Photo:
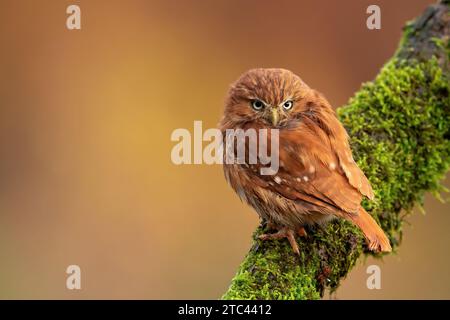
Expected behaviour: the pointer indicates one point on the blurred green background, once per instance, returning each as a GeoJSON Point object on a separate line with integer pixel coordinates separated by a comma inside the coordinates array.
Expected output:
{"type": "Point", "coordinates": [85, 123]}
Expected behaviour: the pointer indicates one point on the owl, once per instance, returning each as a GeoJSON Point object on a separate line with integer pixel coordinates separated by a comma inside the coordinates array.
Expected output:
{"type": "Point", "coordinates": [317, 178]}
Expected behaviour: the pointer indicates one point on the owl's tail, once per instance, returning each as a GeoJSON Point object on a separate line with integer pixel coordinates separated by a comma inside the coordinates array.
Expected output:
{"type": "Point", "coordinates": [377, 240]}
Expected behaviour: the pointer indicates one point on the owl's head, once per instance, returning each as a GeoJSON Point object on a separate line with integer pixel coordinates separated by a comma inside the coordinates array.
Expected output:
{"type": "Point", "coordinates": [265, 97]}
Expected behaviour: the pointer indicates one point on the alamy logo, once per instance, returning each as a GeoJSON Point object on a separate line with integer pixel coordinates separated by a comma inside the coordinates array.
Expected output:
{"type": "Point", "coordinates": [73, 281]}
{"type": "Point", "coordinates": [374, 20]}
{"type": "Point", "coordinates": [374, 280]}
{"type": "Point", "coordinates": [73, 21]}
{"type": "Point", "coordinates": [237, 146]}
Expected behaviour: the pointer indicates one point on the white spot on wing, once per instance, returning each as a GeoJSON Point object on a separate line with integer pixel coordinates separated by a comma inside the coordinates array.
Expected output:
{"type": "Point", "coordinates": [277, 179]}
{"type": "Point", "coordinates": [332, 166]}
{"type": "Point", "coordinates": [305, 178]}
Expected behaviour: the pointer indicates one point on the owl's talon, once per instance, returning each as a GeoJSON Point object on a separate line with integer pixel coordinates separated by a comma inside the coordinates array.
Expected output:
{"type": "Point", "coordinates": [302, 232]}
{"type": "Point", "coordinates": [280, 234]}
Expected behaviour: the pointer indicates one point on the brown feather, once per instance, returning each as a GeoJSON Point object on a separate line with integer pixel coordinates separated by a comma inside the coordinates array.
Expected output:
{"type": "Point", "coordinates": [375, 236]}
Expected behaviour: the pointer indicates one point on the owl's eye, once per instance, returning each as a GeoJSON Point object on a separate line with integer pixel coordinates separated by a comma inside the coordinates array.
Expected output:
{"type": "Point", "coordinates": [288, 105]}
{"type": "Point", "coordinates": [257, 104]}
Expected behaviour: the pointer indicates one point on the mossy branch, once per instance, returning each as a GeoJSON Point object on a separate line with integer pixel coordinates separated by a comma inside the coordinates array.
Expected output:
{"type": "Point", "coordinates": [399, 126]}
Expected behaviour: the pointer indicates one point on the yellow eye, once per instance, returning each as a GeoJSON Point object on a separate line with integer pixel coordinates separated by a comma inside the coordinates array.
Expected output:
{"type": "Point", "coordinates": [288, 105]}
{"type": "Point", "coordinates": [257, 105]}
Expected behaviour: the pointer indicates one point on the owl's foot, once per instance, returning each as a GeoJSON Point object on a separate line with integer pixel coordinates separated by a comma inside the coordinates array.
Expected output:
{"type": "Point", "coordinates": [280, 234]}
{"type": "Point", "coordinates": [302, 232]}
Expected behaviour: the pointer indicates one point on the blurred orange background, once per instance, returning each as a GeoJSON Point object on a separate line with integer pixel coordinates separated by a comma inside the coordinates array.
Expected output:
{"type": "Point", "coordinates": [85, 121]}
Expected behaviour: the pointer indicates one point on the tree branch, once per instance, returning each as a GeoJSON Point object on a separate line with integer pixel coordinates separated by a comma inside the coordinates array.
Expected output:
{"type": "Point", "coordinates": [399, 126]}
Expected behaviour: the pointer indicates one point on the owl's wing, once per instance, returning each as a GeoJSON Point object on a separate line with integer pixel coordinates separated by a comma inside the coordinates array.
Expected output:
{"type": "Point", "coordinates": [323, 116]}
{"type": "Point", "coordinates": [318, 169]}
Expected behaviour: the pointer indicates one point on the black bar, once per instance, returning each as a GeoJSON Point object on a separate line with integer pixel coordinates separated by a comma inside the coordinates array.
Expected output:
{"type": "Point", "coordinates": [212, 309]}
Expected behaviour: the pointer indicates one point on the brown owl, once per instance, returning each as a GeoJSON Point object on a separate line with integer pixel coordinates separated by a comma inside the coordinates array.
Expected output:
{"type": "Point", "coordinates": [317, 178]}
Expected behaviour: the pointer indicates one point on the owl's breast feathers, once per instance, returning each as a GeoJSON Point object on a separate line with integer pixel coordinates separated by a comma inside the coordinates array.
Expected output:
{"type": "Point", "coordinates": [317, 175]}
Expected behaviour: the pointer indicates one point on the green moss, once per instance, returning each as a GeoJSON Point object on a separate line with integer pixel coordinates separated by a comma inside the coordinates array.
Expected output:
{"type": "Point", "coordinates": [261, 276]}
{"type": "Point", "coordinates": [399, 126]}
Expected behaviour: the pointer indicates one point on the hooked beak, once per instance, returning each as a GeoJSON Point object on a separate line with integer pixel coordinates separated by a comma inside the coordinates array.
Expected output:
{"type": "Point", "coordinates": [274, 116]}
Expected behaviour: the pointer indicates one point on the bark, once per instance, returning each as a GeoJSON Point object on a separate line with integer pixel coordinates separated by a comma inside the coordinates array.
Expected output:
{"type": "Point", "coordinates": [399, 126]}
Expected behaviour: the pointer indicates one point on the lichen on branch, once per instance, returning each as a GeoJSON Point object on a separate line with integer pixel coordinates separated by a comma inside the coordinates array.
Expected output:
{"type": "Point", "coordinates": [399, 127]}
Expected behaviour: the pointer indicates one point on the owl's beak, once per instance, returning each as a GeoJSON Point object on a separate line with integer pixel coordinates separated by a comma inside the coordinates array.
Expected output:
{"type": "Point", "coordinates": [274, 116]}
